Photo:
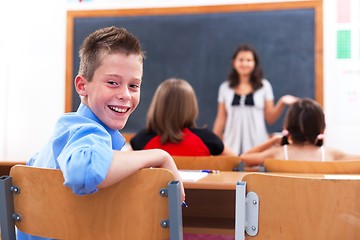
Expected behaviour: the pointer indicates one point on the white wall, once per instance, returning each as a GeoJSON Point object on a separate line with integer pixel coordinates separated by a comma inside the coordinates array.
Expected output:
{"type": "Point", "coordinates": [3, 87]}
{"type": "Point", "coordinates": [342, 81]}
{"type": "Point", "coordinates": [32, 68]}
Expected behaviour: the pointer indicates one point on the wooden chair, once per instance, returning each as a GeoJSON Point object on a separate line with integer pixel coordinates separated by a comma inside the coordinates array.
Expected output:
{"type": "Point", "coordinates": [221, 163]}
{"type": "Point", "coordinates": [327, 167]}
{"type": "Point", "coordinates": [145, 205]}
{"type": "Point", "coordinates": [5, 166]}
{"type": "Point", "coordinates": [128, 136]}
{"type": "Point", "coordinates": [299, 208]}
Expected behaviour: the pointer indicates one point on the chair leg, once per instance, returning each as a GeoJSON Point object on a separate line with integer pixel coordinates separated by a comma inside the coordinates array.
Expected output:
{"type": "Point", "coordinates": [175, 211]}
{"type": "Point", "coordinates": [6, 209]}
{"type": "Point", "coordinates": [240, 217]}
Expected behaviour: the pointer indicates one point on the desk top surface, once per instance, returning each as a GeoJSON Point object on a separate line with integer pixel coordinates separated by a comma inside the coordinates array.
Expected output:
{"type": "Point", "coordinates": [226, 180]}
{"type": "Point", "coordinates": [218, 181]}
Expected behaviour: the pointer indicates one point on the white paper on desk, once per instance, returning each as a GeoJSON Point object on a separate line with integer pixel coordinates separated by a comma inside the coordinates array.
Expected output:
{"type": "Point", "coordinates": [192, 176]}
{"type": "Point", "coordinates": [342, 176]}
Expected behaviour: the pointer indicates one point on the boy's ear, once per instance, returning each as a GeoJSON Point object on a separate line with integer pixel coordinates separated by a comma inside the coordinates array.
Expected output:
{"type": "Point", "coordinates": [80, 85]}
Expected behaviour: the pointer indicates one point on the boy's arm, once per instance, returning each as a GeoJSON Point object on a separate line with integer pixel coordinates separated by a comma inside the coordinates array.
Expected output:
{"type": "Point", "coordinates": [125, 163]}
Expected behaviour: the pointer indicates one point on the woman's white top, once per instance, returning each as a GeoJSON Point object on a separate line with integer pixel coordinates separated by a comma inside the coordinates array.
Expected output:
{"type": "Point", "coordinates": [245, 125]}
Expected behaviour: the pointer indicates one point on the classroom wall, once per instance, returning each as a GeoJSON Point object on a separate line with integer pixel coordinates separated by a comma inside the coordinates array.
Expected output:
{"type": "Point", "coordinates": [32, 68]}
{"type": "Point", "coordinates": [3, 98]}
{"type": "Point", "coordinates": [342, 75]}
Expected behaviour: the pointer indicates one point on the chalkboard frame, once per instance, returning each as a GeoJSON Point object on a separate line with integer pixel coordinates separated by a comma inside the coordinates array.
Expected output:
{"type": "Point", "coordinates": [315, 5]}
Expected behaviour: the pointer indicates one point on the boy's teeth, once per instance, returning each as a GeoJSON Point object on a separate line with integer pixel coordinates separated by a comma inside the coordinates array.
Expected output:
{"type": "Point", "coordinates": [116, 109]}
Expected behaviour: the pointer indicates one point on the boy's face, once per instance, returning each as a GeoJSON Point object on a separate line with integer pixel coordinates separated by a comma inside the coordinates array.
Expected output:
{"type": "Point", "coordinates": [114, 92]}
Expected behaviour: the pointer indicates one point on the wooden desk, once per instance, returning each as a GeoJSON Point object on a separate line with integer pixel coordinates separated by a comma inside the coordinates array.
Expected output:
{"type": "Point", "coordinates": [223, 180]}
{"type": "Point", "coordinates": [5, 166]}
{"type": "Point", "coordinates": [211, 202]}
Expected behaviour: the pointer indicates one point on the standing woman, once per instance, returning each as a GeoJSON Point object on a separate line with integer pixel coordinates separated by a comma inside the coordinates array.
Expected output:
{"type": "Point", "coordinates": [245, 102]}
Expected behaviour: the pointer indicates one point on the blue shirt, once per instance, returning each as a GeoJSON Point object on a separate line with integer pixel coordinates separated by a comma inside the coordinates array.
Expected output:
{"type": "Point", "coordinates": [82, 148]}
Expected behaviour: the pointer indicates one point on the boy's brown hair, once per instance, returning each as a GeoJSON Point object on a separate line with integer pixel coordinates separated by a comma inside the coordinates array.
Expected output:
{"type": "Point", "coordinates": [107, 41]}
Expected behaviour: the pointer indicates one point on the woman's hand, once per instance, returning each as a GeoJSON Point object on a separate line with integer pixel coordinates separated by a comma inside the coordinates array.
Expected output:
{"type": "Point", "coordinates": [289, 99]}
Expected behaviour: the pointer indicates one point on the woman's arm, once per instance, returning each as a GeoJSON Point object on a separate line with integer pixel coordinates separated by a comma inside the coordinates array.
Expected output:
{"type": "Point", "coordinates": [273, 112]}
{"type": "Point", "coordinates": [220, 120]}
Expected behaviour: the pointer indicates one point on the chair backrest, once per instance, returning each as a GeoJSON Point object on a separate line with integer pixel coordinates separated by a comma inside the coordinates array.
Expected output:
{"type": "Point", "coordinates": [327, 167]}
{"type": "Point", "coordinates": [5, 166]}
{"type": "Point", "coordinates": [130, 209]}
{"type": "Point", "coordinates": [221, 163]}
{"type": "Point", "coordinates": [302, 208]}
{"type": "Point", "coordinates": [128, 136]}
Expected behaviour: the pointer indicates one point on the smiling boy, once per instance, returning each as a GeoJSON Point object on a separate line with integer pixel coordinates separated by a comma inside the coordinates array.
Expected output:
{"type": "Point", "coordinates": [86, 144]}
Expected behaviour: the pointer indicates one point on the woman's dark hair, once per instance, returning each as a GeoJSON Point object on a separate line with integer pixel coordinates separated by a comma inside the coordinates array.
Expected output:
{"type": "Point", "coordinates": [257, 74]}
{"type": "Point", "coordinates": [305, 121]}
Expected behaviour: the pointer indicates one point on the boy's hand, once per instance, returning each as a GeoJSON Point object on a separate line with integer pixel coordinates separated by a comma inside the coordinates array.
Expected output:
{"type": "Point", "coordinates": [170, 165]}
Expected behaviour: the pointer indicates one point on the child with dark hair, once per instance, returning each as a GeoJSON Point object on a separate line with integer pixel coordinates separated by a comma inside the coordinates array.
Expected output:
{"type": "Point", "coordinates": [302, 138]}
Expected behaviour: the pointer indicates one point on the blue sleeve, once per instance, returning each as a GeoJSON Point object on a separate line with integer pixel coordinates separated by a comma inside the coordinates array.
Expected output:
{"type": "Point", "coordinates": [85, 158]}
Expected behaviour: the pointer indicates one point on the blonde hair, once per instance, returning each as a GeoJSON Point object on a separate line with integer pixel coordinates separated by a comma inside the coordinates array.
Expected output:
{"type": "Point", "coordinates": [173, 108]}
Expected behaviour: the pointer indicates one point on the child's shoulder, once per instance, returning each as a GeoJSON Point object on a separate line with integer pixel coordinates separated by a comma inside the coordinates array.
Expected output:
{"type": "Point", "coordinates": [75, 118]}
{"type": "Point", "coordinates": [75, 122]}
{"type": "Point", "coordinates": [336, 154]}
{"type": "Point", "coordinates": [277, 151]}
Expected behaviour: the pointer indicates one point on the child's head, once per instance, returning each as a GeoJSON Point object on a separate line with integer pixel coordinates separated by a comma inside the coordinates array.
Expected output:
{"type": "Point", "coordinates": [305, 121]}
{"type": "Point", "coordinates": [245, 61]}
{"type": "Point", "coordinates": [173, 108]}
{"type": "Point", "coordinates": [110, 73]}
